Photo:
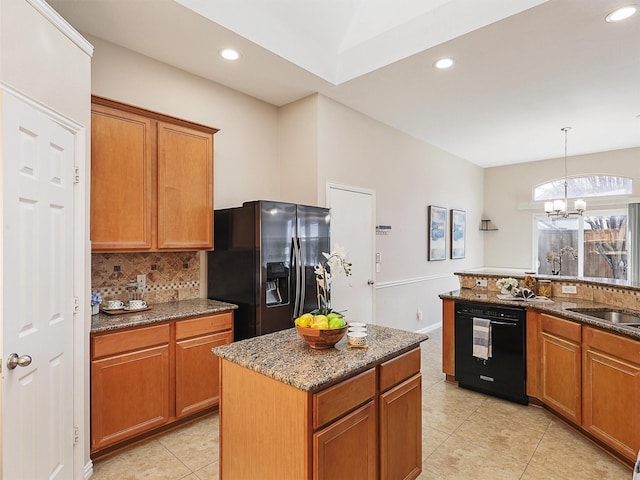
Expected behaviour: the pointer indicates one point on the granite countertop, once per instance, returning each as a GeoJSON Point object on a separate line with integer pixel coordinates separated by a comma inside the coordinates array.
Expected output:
{"type": "Point", "coordinates": [285, 357]}
{"type": "Point", "coordinates": [159, 312]}
{"type": "Point", "coordinates": [558, 307]}
{"type": "Point", "coordinates": [499, 273]}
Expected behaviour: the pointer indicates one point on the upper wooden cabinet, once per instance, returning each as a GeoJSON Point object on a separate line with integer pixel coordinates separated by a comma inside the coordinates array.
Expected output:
{"type": "Point", "coordinates": [151, 181]}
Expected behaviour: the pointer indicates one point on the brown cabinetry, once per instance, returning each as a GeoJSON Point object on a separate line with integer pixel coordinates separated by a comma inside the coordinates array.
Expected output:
{"type": "Point", "coordinates": [611, 390]}
{"type": "Point", "coordinates": [147, 378]}
{"type": "Point", "coordinates": [366, 427]}
{"type": "Point", "coordinates": [129, 384]}
{"type": "Point", "coordinates": [151, 181]}
{"type": "Point", "coordinates": [560, 368]}
{"type": "Point", "coordinates": [197, 369]}
{"type": "Point", "coordinates": [401, 447]}
{"type": "Point", "coordinates": [347, 447]}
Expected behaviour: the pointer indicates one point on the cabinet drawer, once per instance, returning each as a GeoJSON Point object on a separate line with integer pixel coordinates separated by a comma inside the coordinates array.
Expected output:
{"type": "Point", "coordinates": [203, 325]}
{"type": "Point", "coordinates": [343, 397]}
{"type": "Point", "coordinates": [622, 347]}
{"type": "Point", "coordinates": [561, 328]}
{"type": "Point", "coordinates": [120, 342]}
{"type": "Point", "coordinates": [397, 369]}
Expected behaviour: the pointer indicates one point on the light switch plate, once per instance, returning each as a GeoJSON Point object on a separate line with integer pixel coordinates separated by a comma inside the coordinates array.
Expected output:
{"type": "Point", "coordinates": [569, 289]}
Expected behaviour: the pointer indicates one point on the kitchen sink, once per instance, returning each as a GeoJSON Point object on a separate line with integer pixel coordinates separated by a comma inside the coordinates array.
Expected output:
{"type": "Point", "coordinates": [610, 315]}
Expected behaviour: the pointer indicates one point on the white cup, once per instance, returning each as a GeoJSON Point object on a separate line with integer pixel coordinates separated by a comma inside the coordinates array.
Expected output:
{"type": "Point", "coordinates": [137, 304]}
{"type": "Point", "coordinates": [114, 304]}
{"type": "Point", "coordinates": [357, 338]}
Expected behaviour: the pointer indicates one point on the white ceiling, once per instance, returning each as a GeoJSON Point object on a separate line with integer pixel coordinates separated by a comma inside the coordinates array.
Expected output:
{"type": "Point", "coordinates": [524, 68]}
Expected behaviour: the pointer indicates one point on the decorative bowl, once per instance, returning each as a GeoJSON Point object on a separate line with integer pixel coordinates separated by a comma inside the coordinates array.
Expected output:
{"type": "Point", "coordinates": [321, 339]}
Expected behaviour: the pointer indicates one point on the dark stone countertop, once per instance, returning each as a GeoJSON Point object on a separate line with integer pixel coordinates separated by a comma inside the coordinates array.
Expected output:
{"type": "Point", "coordinates": [285, 357]}
{"type": "Point", "coordinates": [159, 312]}
{"type": "Point", "coordinates": [559, 307]}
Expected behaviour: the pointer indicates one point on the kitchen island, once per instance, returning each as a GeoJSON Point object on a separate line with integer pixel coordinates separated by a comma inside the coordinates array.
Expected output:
{"type": "Point", "coordinates": [290, 412]}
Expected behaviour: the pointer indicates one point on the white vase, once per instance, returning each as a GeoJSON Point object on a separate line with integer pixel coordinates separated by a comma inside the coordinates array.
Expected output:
{"type": "Point", "coordinates": [95, 309]}
{"type": "Point", "coordinates": [504, 291]}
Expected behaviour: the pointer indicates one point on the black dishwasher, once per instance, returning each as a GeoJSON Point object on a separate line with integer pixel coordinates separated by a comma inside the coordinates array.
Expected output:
{"type": "Point", "coordinates": [504, 373]}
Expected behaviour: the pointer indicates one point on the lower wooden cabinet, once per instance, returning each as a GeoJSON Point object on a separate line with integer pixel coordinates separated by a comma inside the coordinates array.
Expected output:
{"type": "Point", "coordinates": [401, 431]}
{"type": "Point", "coordinates": [611, 394]}
{"type": "Point", "coordinates": [145, 378]}
{"type": "Point", "coordinates": [560, 368]}
{"type": "Point", "coordinates": [197, 369]}
{"type": "Point", "coordinates": [129, 384]}
{"type": "Point", "coordinates": [347, 447]}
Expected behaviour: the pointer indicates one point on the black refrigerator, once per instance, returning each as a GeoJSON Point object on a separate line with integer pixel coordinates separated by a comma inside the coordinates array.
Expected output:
{"type": "Point", "coordinates": [263, 261]}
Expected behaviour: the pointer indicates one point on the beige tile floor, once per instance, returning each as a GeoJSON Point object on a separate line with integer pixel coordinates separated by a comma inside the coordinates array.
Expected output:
{"type": "Point", "coordinates": [465, 435]}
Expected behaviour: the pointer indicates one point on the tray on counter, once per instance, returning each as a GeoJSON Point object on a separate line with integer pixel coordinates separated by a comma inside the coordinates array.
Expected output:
{"type": "Point", "coordinates": [122, 311]}
{"type": "Point", "coordinates": [537, 299]}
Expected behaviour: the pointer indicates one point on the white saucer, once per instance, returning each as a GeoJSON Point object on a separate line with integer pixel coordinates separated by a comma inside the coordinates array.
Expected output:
{"type": "Point", "coordinates": [116, 308]}
{"type": "Point", "coordinates": [133, 309]}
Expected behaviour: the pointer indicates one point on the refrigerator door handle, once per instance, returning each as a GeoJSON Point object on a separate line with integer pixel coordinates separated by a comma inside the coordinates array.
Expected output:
{"type": "Point", "coordinates": [303, 281]}
{"type": "Point", "coordinates": [296, 267]}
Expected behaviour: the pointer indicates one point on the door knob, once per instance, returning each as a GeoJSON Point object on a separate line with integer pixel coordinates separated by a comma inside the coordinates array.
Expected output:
{"type": "Point", "coordinates": [16, 361]}
{"type": "Point", "coordinates": [369, 282]}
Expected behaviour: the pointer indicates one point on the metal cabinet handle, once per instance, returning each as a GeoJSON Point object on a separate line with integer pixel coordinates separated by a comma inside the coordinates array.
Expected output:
{"type": "Point", "coordinates": [18, 361]}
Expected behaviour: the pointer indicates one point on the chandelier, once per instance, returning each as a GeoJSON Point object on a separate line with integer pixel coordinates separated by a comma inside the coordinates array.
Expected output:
{"type": "Point", "coordinates": [558, 208]}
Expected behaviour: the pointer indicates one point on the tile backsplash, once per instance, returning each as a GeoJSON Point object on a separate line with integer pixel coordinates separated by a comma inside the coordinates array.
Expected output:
{"type": "Point", "coordinates": [170, 275]}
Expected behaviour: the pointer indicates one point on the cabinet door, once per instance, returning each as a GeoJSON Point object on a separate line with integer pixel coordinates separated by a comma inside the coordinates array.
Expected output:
{"type": "Point", "coordinates": [129, 395]}
{"type": "Point", "coordinates": [401, 431]}
{"type": "Point", "coordinates": [121, 180]}
{"type": "Point", "coordinates": [611, 394]}
{"type": "Point", "coordinates": [197, 372]}
{"type": "Point", "coordinates": [185, 188]}
{"type": "Point", "coordinates": [561, 367]}
{"type": "Point", "coordinates": [347, 447]}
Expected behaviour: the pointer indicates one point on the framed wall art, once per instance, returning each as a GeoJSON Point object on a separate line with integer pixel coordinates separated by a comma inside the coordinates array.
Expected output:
{"type": "Point", "coordinates": [437, 217]}
{"type": "Point", "coordinates": [458, 233]}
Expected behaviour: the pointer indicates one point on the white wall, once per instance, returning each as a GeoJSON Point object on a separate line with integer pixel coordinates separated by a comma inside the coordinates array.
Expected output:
{"type": "Point", "coordinates": [246, 155]}
{"type": "Point", "coordinates": [407, 175]}
{"type": "Point", "coordinates": [509, 193]}
{"type": "Point", "coordinates": [298, 127]}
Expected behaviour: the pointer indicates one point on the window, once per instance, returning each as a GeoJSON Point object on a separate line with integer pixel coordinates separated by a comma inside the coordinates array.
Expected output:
{"type": "Point", "coordinates": [582, 187]}
{"type": "Point", "coordinates": [594, 245]}
{"type": "Point", "coordinates": [591, 246]}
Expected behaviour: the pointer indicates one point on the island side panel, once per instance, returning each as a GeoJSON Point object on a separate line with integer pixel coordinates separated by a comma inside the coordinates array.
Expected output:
{"type": "Point", "coordinates": [264, 427]}
{"type": "Point", "coordinates": [448, 339]}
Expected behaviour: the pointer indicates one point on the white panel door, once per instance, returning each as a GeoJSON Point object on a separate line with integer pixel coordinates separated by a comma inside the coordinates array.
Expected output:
{"type": "Point", "coordinates": [352, 227]}
{"type": "Point", "coordinates": [37, 397]}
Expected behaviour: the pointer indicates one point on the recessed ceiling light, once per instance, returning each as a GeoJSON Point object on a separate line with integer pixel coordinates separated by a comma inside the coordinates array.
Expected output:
{"type": "Point", "coordinates": [621, 13]}
{"type": "Point", "coordinates": [229, 54]}
{"type": "Point", "coordinates": [444, 63]}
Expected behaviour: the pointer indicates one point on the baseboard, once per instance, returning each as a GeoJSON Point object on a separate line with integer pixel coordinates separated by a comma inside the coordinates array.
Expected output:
{"type": "Point", "coordinates": [430, 328]}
